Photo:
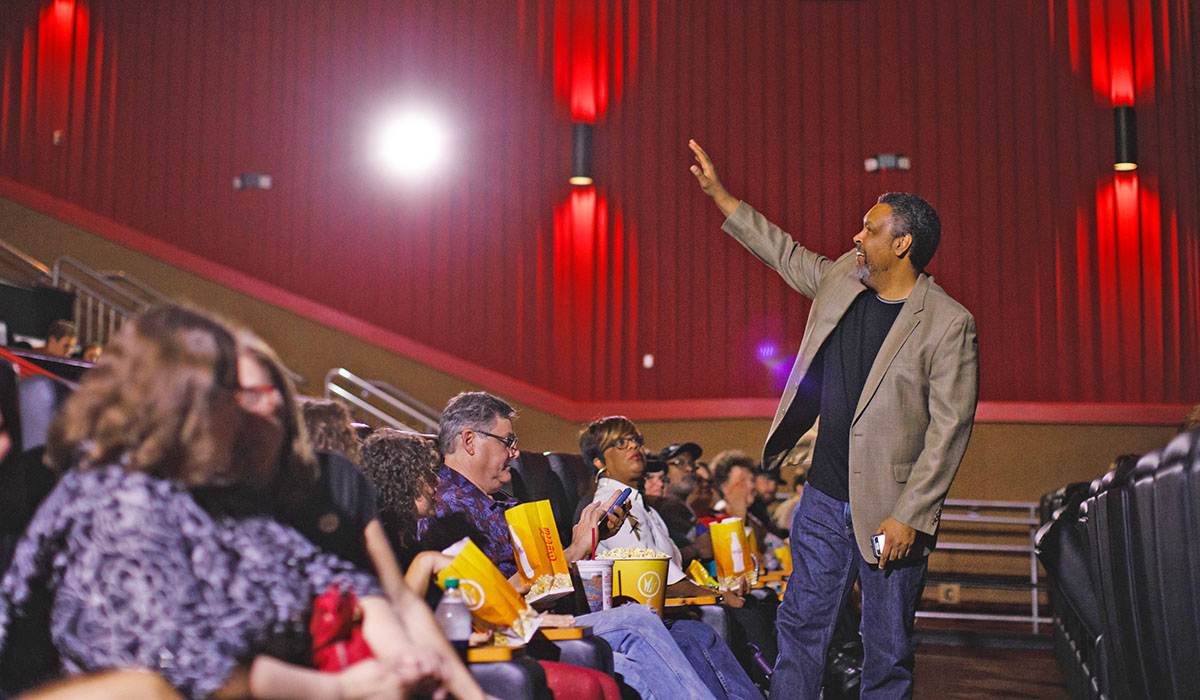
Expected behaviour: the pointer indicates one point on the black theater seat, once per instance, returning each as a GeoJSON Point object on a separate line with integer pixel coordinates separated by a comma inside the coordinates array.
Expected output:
{"type": "Point", "coordinates": [1192, 524]}
{"type": "Point", "coordinates": [1173, 630]}
{"type": "Point", "coordinates": [539, 482]}
{"type": "Point", "coordinates": [1107, 535]}
{"type": "Point", "coordinates": [1062, 547]}
{"type": "Point", "coordinates": [589, 652]}
{"type": "Point", "coordinates": [519, 678]}
{"type": "Point", "coordinates": [577, 476]}
{"type": "Point", "coordinates": [1146, 606]}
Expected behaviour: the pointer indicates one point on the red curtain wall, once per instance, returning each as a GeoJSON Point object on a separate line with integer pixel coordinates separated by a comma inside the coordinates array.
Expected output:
{"type": "Point", "coordinates": [1086, 287]}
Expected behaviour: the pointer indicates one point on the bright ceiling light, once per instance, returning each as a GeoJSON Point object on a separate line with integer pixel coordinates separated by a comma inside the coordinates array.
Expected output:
{"type": "Point", "coordinates": [412, 144]}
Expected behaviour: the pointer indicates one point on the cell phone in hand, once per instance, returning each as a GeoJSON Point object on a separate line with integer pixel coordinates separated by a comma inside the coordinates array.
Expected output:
{"type": "Point", "coordinates": [617, 504]}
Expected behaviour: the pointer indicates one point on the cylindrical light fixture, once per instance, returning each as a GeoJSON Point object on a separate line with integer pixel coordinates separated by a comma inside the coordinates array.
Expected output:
{"type": "Point", "coordinates": [1125, 128]}
{"type": "Point", "coordinates": [581, 154]}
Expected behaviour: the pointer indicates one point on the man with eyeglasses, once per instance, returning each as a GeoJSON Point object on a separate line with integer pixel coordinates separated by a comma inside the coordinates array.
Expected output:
{"type": "Point", "coordinates": [477, 463]}
{"type": "Point", "coordinates": [478, 442]}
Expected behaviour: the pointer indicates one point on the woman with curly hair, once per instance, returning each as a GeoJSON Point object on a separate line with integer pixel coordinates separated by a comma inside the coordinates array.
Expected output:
{"type": "Point", "coordinates": [159, 548]}
{"type": "Point", "coordinates": [403, 467]}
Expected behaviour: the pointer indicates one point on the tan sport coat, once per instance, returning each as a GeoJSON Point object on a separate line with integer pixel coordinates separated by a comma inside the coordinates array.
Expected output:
{"type": "Point", "coordinates": [914, 417]}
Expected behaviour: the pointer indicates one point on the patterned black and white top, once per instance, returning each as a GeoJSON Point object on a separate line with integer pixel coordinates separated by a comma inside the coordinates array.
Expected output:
{"type": "Point", "coordinates": [140, 576]}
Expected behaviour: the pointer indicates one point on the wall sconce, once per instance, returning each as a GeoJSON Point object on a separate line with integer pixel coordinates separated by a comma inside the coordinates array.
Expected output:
{"type": "Point", "coordinates": [1125, 129]}
{"type": "Point", "coordinates": [252, 181]}
{"type": "Point", "coordinates": [887, 161]}
{"type": "Point", "coordinates": [581, 154]}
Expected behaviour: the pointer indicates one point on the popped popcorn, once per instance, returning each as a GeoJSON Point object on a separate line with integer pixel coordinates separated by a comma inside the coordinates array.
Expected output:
{"type": "Point", "coordinates": [549, 582]}
{"type": "Point", "coordinates": [631, 553]}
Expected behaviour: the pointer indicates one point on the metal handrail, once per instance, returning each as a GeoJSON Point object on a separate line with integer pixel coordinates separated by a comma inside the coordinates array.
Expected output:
{"type": "Point", "coordinates": [1030, 521]}
{"type": "Point", "coordinates": [365, 388]}
{"type": "Point", "coordinates": [424, 409]}
{"type": "Point", "coordinates": [128, 305]}
{"type": "Point", "coordinates": [151, 295]}
{"type": "Point", "coordinates": [25, 259]}
{"type": "Point", "coordinates": [333, 390]}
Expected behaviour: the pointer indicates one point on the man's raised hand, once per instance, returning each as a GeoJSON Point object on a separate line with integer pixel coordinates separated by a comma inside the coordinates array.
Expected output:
{"type": "Point", "coordinates": [706, 175]}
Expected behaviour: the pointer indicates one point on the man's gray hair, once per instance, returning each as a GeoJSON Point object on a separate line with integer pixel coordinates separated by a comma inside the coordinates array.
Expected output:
{"type": "Point", "coordinates": [476, 410]}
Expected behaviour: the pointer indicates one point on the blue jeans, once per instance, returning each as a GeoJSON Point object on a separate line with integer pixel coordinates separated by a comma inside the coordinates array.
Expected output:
{"type": "Point", "coordinates": [645, 654]}
{"type": "Point", "coordinates": [713, 661]}
{"type": "Point", "coordinates": [825, 564]}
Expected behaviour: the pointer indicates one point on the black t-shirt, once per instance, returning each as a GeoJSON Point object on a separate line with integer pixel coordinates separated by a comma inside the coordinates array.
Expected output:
{"type": "Point", "coordinates": [337, 510]}
{"type": "Point", "coordinates": [842, 364]}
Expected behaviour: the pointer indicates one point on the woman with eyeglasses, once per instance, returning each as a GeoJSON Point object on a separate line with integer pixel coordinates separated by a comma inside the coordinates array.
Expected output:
{"type": "Point", "coordinates": [614, 447]}
{"type": "Point", "coordinates": [159, 549]}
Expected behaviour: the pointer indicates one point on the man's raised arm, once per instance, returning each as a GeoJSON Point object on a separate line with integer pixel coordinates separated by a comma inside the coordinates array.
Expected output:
{"type": "Point", "coordinates": [706, 175]}
{"type": "Point", "coordinates": [799, 267]}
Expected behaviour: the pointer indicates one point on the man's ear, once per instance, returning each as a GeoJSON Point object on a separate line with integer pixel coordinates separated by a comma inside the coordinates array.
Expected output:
{"type": "Point", "coordinates": [468, 440]}
{"type": "Point", "coordinates": [902, 245]}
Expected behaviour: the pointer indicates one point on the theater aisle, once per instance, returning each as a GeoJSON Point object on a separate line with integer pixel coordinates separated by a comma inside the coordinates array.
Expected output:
{"type": "Point", "coordinates": [973, 673]}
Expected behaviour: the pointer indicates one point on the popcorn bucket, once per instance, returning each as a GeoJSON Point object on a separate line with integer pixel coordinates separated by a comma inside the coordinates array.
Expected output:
{"type": "Point", "coordinates": [492, 600]}
{"type": "Point", "coordinates": [597, 577]}
{"type": "Point", "coordinates": [538, 551]}
{"type": "Point", "coordinates": [732, 551]}
{"type": "Point", "coordinates": [643, 579]}
{"type": "Point", "coordinates": [785, 558]}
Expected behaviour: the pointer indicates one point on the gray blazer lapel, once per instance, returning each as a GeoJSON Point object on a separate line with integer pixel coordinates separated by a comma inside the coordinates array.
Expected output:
{"type": "Point", "coordinates": [906, 322]}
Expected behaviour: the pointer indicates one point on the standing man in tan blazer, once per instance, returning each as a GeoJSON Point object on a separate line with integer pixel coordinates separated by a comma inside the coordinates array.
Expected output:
{"type": "Point", "coordinates": [888, 362]}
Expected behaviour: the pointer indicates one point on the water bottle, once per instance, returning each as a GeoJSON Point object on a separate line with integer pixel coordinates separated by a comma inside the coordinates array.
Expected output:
{"type": "Point", "coordinates": [453, 617]}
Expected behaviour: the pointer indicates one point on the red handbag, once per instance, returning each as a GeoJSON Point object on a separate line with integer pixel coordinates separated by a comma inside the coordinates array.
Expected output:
{"type": "Point", "coordinates": [336, 629]}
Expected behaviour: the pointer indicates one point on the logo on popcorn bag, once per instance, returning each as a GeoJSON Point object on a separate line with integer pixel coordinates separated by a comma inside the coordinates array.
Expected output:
{"type": "Point", "coordinates": [472, 594]}
{"type": "Point", "coordinates": [648, 584]}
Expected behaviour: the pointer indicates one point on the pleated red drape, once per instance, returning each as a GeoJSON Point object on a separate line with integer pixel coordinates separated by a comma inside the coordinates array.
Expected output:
{"type": "Point", "coordinates": [1086, 286]}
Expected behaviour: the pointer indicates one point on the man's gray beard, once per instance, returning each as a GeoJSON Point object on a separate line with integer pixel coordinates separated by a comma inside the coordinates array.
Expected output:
{"type": "Point", "coordinates": [682, 489]}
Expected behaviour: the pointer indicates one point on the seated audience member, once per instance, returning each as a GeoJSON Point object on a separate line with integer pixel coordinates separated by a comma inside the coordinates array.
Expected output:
{"type": "Point", "coordinates": [681, 468]}
{"type": "Point", "coordinates": [613, 446]}
{"type": "Point", "coordinates": [403, 466]}
{"type": "Point", "coordinates": [703, 499]}
{"type": "Point", "coordinates": [766, 491]}
{"type": "Point", "coordinates": [60, 339]}
{"type": "Point", "coordinates": [654, 478]}
{"type": "Point", "coordinates": [330, 428]}
{"type": "Point", "coordinates": [338, 511]}
{"type": "Point", "coordinates": [158, 548]}
{"type": "Point", "coordinates": [783, 514]}
{"type": "Point", "coordinates": [681, 521]}
{"type": "Point", "coordinates": [92, 353]}
{"type": "Point", "coordinates": [734, 475]}
{"type": "Point", "coordinates": [478, 442]}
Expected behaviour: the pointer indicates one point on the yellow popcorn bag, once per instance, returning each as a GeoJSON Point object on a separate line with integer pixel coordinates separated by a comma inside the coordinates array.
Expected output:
{"type": "Point", "coordinates": [492, 600]}
{"type": "Point", "coordinates": [785, 558]}
{"type": "Point", "coordinates": [538, 551]}
{"type": "Point", "coordinates": [732, 551]}
{"type": "Point", "coordinates": [700, 575]}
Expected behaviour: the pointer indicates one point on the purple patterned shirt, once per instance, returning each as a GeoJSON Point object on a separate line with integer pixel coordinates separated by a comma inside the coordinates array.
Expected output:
{"type": "Point", "coordinates": [462, 509]}
{"type": "Point", "coordinates": [138, 575]}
